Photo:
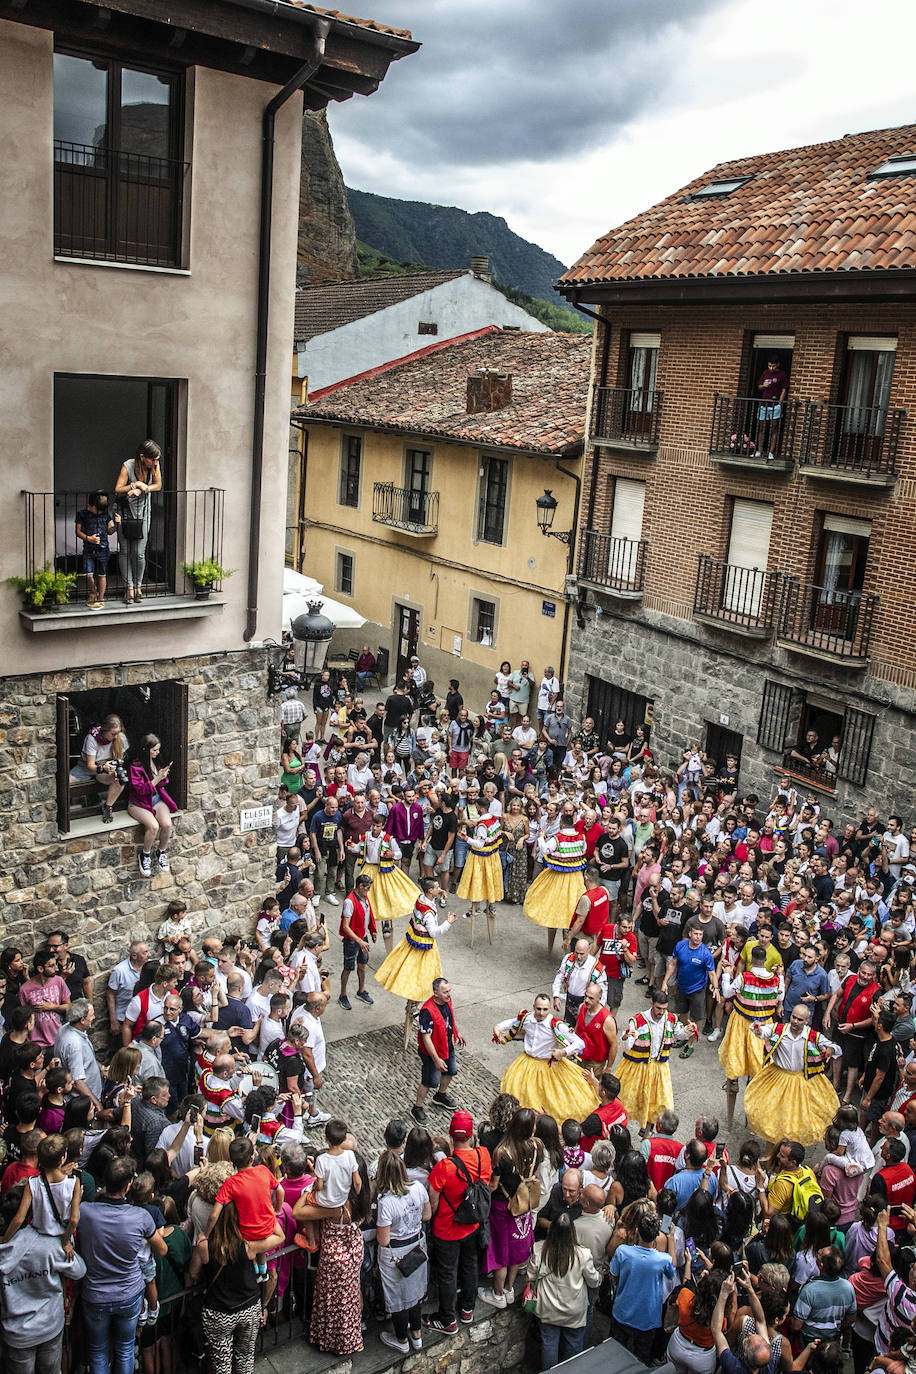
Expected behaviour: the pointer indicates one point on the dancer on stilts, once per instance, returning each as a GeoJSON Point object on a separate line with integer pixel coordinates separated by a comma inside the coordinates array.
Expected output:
{"type": "Point", "coordinates": [393, 893]}
{"type": "Point", "coordinates": [552, 898]}
{"type": "Point", "coordinates": [414, 962]}
{"type": "Point", "coordinates": [482, 876]}
{"type": "Point", "coordinates": [757, 992]}
{"type": "Point", "coordinates": [792, 1096]}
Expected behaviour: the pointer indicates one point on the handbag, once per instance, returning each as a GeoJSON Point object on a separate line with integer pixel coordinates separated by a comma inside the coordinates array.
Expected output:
{"type": "Point", "coordinates": [411, 1262]}
{"type": "Point", "coordinates": [530, 1294]}
{"type": "Point", "coordinates": [131, 529]}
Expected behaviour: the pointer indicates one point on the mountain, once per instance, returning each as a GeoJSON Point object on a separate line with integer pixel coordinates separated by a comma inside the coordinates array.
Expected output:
{"type": "Point", "coordinates": [443, 236]}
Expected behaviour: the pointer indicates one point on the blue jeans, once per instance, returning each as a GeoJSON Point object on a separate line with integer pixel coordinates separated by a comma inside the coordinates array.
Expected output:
{"type": "Point", "coordinates": [559, 1343]}
{"type": "Point", "coordinates": [117, 1321]}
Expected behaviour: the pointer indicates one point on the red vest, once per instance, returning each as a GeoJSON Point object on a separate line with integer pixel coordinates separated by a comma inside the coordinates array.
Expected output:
{"type": "Point", "coordinates": [662, 1161]}
{"type": "Point", "coordinates": [598, 902]}
{"type": "Point", "coordinates": [592, 1032]}
{"type": "Point", "coordinates": [609, 1114]}
{"type": "Point", "coordinates": [440, 1030]}
{"type": "Point", "coordinates": [900, 1182]}
{"type": "Point", "coordinates": [358, 919]}
{"type": "Point", "coordinates": [855, 1001]}
{"type": "Point", "coordinates": [143, 1013]}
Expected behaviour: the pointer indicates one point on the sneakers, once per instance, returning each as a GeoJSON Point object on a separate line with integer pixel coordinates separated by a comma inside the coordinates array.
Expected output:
{"type": "Point", "coordinates": [152, 1316]}
{"type": "Point", "coordinates": [364, 997]}
{"type": "Point", "coordinates": [416, 1342]}
{"type": "Point", "coordinates": [162, 859]}
{"type": "Point", "coordinates": [443, 902]}
{"type": "Point", "coordinates": [435, 1323]}
{"type": "Point", "coordinates": [687, 1051]}
{"type": "Point", "coordinates": [107, 814]}
{"type": "Point", "coordinates": [146, 863]}
{"type": "Point", "coordinates": [443, 1100]}
{"type": "Point", "coordinates": [335, 901]}
{"type": "Point", "coordinates": [318, 1118]}
{"type": "Point", "coordinates": [771, 457]}
{"type": "Point", "coordinates": [393, 1343]}
{"type": "Point", "coordinates": [509, 1295]}
{"type": "Point", "coordinates": [344, 1002]}
{"type": "Point", "coordinates": [419, 1115]}
{"type": "Point", "coordinates": [494, 1299]}
{"type": "Point", "coordinates": [716, 1035]}
{"type": "Point", "coordinates": [466, 1315]}
{"type": "Point", "coordinates": [707, 1026]}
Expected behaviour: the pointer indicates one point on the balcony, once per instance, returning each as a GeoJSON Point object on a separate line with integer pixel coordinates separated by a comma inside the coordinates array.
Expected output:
{"type": "Point", "coordinates": [627, 418]}
{"type": "Point", "coordinates": [852, 443]}
{"type": "Point", "coordinates": [740, 438]}
{"type": "Point", "coordinates": [412, 512]}
{"type": "Point", "coordinates": [744, 600]}
{"type": "Point", "coordinates": [185, 527]}
{"type": "Point", "coordinates": [614, 566]}
{"type": "Point", "coordinates": [823, 623]}
{"type": "Point", "coordinates": [112, 206]}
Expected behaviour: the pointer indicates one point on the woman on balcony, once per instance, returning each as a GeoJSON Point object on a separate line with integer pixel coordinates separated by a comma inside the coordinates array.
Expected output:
{"type": "Point", "coordinates": [138, 479]}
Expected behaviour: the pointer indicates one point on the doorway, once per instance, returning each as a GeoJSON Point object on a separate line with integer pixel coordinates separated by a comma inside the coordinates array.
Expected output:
{"type": "Point", "coordinates": [408, 637]}
{"type": "Point", "coordinates": [720, 742]}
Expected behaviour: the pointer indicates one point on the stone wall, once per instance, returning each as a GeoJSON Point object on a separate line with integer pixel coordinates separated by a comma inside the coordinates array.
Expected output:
{"type": "Point", "coordinates": [694, 674]}
{"type": "Point", "coordinates": [89, 883]}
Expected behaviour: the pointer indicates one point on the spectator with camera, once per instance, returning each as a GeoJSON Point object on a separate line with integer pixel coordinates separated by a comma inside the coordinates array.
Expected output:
{"type": "Point", "coordinates": [102, 761]}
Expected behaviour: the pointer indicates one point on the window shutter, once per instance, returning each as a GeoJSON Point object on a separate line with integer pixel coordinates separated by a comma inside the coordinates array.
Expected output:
{"type": "Point", "coordinates": [629, 504]}
{"type": "Point", "coordinates": [855, 751]}
{"type": "Point", "coordinates": [63, 764]}
{"type": "Point", "coordinates": [774, 716]}
{"type": "Point", "coordinates": [175, 738]}
{"type": "Point", "coordinates": [749, 545]}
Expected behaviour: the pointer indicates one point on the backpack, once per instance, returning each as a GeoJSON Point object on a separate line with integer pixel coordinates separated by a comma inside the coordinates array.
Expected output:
{"type": "Point", "coordinates": [805, 1190]}
{"type": "Point", "coordinates": [474, 1207]}
{"type": "Point", "coordinates": [527, 1196]}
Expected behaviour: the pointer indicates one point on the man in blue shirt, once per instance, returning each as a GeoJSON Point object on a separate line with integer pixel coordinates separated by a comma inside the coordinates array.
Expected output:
{"type": "Point", "coordinates": [806, 982]}
{"type": "Point", "coordinates": [698, 1165]}
{"type": "Point", "coordinates": [694, 965]}
{"type": "Point", "coordinates": [640, 1272]}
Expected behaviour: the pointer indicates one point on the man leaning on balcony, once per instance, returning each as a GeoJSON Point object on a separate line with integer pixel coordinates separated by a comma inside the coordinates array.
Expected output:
{"type": "Point", "coordinates": [772, 385]}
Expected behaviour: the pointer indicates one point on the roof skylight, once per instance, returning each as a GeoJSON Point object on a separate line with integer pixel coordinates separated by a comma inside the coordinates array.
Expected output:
{"type": "Point", "coordinates": [896, 167]}
{"type": "Point", "coordinates": [722, 186]}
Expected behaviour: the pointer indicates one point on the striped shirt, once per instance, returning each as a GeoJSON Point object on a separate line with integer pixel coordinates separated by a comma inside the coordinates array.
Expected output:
{"type": "Point", "coordinates": [899, 1309]}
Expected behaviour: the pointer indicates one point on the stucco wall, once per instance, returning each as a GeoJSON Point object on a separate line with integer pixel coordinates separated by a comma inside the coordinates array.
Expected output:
{"type": "Point", "coordinates": [119, 320]}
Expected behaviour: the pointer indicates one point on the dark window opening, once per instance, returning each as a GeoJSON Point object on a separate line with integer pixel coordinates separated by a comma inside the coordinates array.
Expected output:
{"type": "Point", "coordinates": [158, 708]}
{"type": "Point", "coordinates": [345, 573]}
{"type": "Point", "coordinates": [483, 621]}
{"type": "Point", "coordinates": [350, 465]}
{"type": "Point", "coordinates": [827, 743]}
{"type": "Point", "coordinates": [723, 186]}
{"type": "Point", "coordinates": [608, 703]}
{"type": "Point", "coordinates": [419, 470]}
{"type": "Point", "coordinates": [720, 742]}
{"type": "Point", "coordinates": [494, 484]}
{"type": "Point", "coordinates": [427, 327]}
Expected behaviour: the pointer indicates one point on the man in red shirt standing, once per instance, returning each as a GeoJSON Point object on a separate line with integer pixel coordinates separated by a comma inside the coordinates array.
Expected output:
{"type": "Point", "coordinates": [455, 1242]}
{"type": "Point", "coordinates": [660, 1150]}
{"type": "Point", "coordinates": [895, 1182]}
{"type": "Point", "coordinates": [438, 1035]}
{"type": "Point", "coordinates": [591, 830]}
{"type": "Point", "coordinates": [850, 1010]}
{"type": "Point", "coordinates": [356, 922]}
{"type": "Point", "coordinates": [617, 955]}
{"type": "Point", "coordinates": [595, 1025]}
{"type": "Point", "coordinates": [593, 910]}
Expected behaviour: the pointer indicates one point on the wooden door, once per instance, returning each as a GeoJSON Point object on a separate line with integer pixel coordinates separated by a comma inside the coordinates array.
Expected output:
{"type": "Point", "coordinates": [408, 637]}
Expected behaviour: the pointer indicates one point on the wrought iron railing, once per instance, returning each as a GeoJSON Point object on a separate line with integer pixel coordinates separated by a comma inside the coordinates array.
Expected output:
{"type": "Point", "coordinates": [184, 527]}
{"type": "Point", "coordinates": [827, 620]}
{"type": "Point", "coordinates": [405, 509]}
{"type": "Point", "coordinates": [618, 564]}
{"type": "Point", "coordinates": [629, 414]}
{"type": "Point", "coordinates": [852, 440]}
{"type": "Point", "coordinates": [746, 598]}
{"type": "Point", "coordinates": [747, 428]}
{"type": "Point", "coordinates": [117, 206]}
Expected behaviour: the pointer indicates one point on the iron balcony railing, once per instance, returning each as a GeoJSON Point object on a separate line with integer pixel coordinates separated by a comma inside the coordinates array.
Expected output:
{"type": "Point", "coordinates": [852, 440]}
{"type": "Point", "coordinates": [817, 773]}
{"type": "Point", "coordinates": [747, 598]}
{"type": "Point", "coordinates": [630, 415]}
{"type": "Point", "coordinates": [744, 427]}
{"type": "Point", "coordinates": [617, 564]}
{"type": "Point", "coordinates": [184, 527]}
{"type": "Point", "coordinates": [117, 206]}
{"type": "Point", "coordinates": [405, 509]}
{"type": "Point", "coordinates": [826, 620]}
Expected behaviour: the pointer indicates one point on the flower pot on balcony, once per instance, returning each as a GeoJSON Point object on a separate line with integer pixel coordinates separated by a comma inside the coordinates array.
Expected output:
{"type": "Point", "coordinates": [203, 593]}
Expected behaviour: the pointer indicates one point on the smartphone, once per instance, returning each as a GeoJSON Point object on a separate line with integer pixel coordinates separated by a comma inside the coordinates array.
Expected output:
{"type": "Point", "coordinates": [737, 1266]}
{"type": "Point", "coordinates": [665, 1226]}
{"type": "Point", "coordinates": [255, 1125]}
{"type": "Point", "coordinates": [194, 1115]}
{"type": "Point", "coordinates": [720, 1151]}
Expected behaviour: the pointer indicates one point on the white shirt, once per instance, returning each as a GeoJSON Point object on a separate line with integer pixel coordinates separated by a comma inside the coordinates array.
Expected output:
{"type": "Point", "coordinates": [183, 1162]}
{"type": "Point", "coordinates": [306, 963]}
{"type": "Point", "coordinates": [287, 823]}
{"type": "Point", "coordinates": [258, 1004]}
{"type": "Point", "coordinates": [525, 739]}
{"type": "Point", "coordinates": [550, 686]}
{"type": "Point", "coordinates": [418, 674]}
{"type": "Point", "coordinates": [155, 1007]}
{"type": "Point", "coordinates": [316, 1040]}
{"type": "Point", "coordinates": [790, 1052]}
{"type": "Point", "coordinates": [540, 1040]}
{"type": "Point", "coordinates": [359, 778]}
{"type": "Point", "coordinates": [578, 980]}
{"type": "Point", "coordinates": [221, 979]}
{"type": "Point", "coordinates": [269, 1032]}
{"type": "Point", "coordinates": [898, 851]}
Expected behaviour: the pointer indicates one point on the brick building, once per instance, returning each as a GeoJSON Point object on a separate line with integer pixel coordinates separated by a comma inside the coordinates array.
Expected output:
{"type": "Point", "coordinates": [747, 570]}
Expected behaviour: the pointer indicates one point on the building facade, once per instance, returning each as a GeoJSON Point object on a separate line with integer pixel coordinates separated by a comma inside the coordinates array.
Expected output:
{"type": "Point", "coordinates": [746, 570]}
{"type": "Point", "coordinates": [419, 494]}
{"type": "Point", "coordinates": [133, 228]}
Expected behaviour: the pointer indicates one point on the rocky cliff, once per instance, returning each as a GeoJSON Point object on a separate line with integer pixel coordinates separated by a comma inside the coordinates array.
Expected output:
{"type": "Point", "coordinates": [327, 240]}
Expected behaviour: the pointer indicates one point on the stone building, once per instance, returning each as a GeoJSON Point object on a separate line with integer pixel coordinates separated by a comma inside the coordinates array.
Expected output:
{"type": "Point", "coordinates": [136, 151]}
{"type": "Point", "coordinates": [746, 571]}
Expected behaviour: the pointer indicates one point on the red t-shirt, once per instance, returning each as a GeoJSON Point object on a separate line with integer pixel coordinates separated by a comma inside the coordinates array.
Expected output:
{"type": "Point", "coordinates": [251, 1190]}
{"type": "Point", "coordinates": [606, 941]}
{"type": "Point", "coordinates": [610, 1114]}
{"type": "Point", "coordinates": [444, 1179]}
{"type": "Point", "coordinates": [17, 1172]}
{"type": "Point", "coordinates": [598, 903]}
{"type": "Point", "coordinates": [591, 1031]}
{"type": "Point", "coordinates": [591, 837]}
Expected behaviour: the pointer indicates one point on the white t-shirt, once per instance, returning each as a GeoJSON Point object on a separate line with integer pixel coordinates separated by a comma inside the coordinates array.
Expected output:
{"type": "Point", "coordinates": [269, 1032]}
{"type": "Point", "coordinates": [550, 686]}
{"type": "Point", "coordinates": [337, 1172]}
{"type": "Point", "coordinates": [258, 1003]}
{"type": "Point", "coordinates": [898, 851]}
{"type": "Point", "coordinates": [154, 1011]}
{"type": "Point", "coordinates": [287, 823]}
{"type": "Point", "coordinates": [221, 980]}
{"type": "Point", "coordinates": [316, 1041]}
{"type": "Point", "coordinates": [525, 739]}
{"type": "Point", "coordinates": [100, 749]}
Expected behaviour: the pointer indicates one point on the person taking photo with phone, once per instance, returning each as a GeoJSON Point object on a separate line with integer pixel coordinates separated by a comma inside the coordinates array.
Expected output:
{"type": "Point", "coordinates": [149, 803]}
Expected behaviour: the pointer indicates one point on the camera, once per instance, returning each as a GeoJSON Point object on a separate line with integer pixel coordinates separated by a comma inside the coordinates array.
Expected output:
{"type": "Point", "coordinates": [120, 772]}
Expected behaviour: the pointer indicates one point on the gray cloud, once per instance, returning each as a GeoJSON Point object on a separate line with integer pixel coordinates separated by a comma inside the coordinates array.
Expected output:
{"type": "Point", "coordinates": [515, 80]}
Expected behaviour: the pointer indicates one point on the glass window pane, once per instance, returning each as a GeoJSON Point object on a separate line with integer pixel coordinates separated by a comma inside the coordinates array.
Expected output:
{"type": "Point", "coordinates": [145, 107]}
{"type": "Point", "coordinates": [80, 102]}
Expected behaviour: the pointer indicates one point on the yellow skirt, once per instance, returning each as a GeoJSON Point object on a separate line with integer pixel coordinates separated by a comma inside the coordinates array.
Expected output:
{"type": "Point", "coordinates": [482, 878]}
{"type": "Point", "coordinates": [409, 972]}
{"type": "Point", "coordinates": [645, 1089]}
{"type": "Point", "coordinates": [560, 1089]}
{"type": "Point", "coordinates": [741, 1052]}
{"type": "Point", "coordinates": [551, 899]}
{"type": "Point", "coordinates": [392, 894]}
{"type": "Point", "coordinates": [781, 1104]}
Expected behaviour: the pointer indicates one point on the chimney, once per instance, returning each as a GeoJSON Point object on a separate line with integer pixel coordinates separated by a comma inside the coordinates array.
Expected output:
{"type": "Point", "coordinates": [480, 266]}
{"type": "Point", "coordinates": [489, 391]}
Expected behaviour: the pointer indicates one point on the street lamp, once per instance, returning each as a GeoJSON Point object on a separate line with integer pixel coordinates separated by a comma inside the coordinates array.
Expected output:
{"type": "Point", "coordinates": [313, 632]}
{"type": "Point", "coordinates": [547, 509]}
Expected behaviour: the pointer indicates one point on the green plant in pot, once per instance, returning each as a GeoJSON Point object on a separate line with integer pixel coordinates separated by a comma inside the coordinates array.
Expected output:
{"type": "Point", "coordinates": [204, 574]}
{"type": "Point", "coordinates": [46, 587]}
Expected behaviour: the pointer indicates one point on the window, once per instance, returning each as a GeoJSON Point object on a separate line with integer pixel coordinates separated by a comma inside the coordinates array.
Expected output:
{"type": "Point", "coordinates": [483, 621]}
{"type": "Point", "coordinates": [844, 734]}
{"type": "Point", "coordinates": [840, 575]}
{"type": "Point", "coordinates": [748, 554]}
{"type": "Point", "coordinates": [159, 708]}
{"type": "Point", "coordinates": [118, 175]}
{"type": "Point", "coordinates": [608, 703]}
{"type": "Point", "coordinates": [626, 528]}
{"type": "Point", "coordinates": [642, 368]}
{"type": "Point", "coordinates": [494, 483]}
{"type": "Point", "coordinates": [721, 187]}
{"type": "Point", "coordinates": [869, 372]}
{"type": "Point", "coordinates": [427, 327]}
{"type": "Point", "coordinates": [895, 167]}
{"type": "Point", "coordinates": [419, 469]}
{"type": "Point", "coordinates": [720, 742]}
{"type": "Point", "coordinates": [345, 573]}
{"type": "Point", "coordinates": [351, 457]}
{"type": "Point", "coordinates": [773, 725]}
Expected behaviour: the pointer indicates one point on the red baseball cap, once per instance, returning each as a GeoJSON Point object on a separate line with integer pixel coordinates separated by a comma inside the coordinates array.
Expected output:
{"type": "Point", "coordinates": [461, 1126]}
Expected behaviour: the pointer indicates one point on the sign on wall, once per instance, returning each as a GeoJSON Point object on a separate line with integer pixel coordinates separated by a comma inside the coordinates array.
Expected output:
{"type": "Point", "coordinates": [256, 818]}
{"type": "Point", "coordinates": [549, 608]}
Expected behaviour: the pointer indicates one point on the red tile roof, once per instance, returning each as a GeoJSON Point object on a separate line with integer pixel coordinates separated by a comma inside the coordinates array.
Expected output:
{"type": "Point", "coordinates": [329, 305]}
{"type": "Point", "coordinates": [810, 209]}
{"type": "Point", "coordinates": [428, 394]}
{"type": "Point", "coordinates": [349, 19]}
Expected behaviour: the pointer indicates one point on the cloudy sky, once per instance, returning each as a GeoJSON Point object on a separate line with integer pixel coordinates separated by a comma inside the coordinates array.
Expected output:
{"type": "Point", "coordinates": [569, 116]}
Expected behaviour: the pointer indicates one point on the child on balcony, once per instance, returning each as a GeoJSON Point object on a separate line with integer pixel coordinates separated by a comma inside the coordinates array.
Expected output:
{"type": "Point", "coordinates": [93, 526]}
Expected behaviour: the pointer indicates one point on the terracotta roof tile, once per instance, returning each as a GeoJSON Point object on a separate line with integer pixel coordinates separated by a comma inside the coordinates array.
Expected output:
{"type": "Point", "coordinates": [428, 394]}
{"type": "Point", "coordinates": [329, 305]}
{"type": "Point", "coordinates": [810, 209]}
{"type": "Point", "coordinates": [349, 19]}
